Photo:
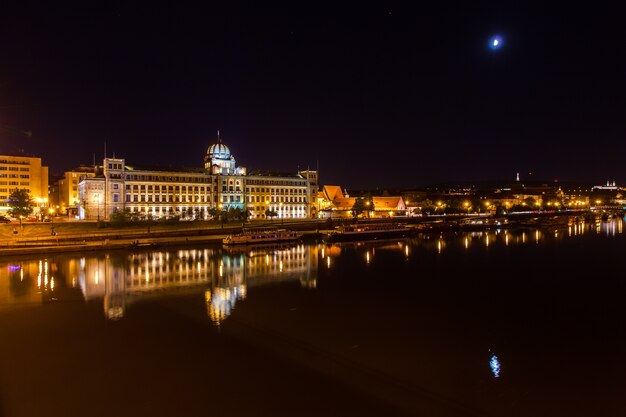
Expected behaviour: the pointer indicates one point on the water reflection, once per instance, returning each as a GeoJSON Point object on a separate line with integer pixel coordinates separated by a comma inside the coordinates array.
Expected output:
{"type": "Point", "coordinates": [471, 241]}
{"type": "Point", "coordinates": [120, 279]}
{"type": "Point", "coordinates": [494, 364]}
{"type": "Point", "coordinates": [223, 276]}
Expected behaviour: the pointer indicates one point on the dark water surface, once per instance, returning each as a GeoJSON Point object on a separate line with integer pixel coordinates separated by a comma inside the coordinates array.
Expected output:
{"type": "Point", "coordinates": [517, 323]}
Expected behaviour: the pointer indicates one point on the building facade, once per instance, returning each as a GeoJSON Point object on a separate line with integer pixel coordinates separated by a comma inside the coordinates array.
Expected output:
{"type": "Point", "coordinates": [195, 193]}
{"type": "Point", "coordinates": [65, 200]}
{"type": "Point", "coordinates": [335, 203]}
{"type": "Point", "coordinates": [23, 172]}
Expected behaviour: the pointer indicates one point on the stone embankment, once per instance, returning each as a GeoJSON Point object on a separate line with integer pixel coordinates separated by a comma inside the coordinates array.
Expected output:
{"type": "Point", "coordinates": [84, 236]}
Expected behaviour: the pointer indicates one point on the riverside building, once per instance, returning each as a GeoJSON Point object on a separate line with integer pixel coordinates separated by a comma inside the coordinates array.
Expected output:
{"type": "Point", "coordinates": [196, 193]}
{"type": "Point", "coordinates": [23, 172]}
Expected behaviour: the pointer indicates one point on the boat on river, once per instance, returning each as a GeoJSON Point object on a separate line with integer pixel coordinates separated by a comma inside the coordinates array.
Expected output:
{"type": "Point", "coordinates": [369, 231]}
{"type": "Point", "coordinates": [248, 237]}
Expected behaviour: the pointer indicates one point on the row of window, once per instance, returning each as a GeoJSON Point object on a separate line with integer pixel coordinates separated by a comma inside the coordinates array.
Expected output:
{"type": "Point", "coordinates": [8, 161]}
{"type": "Point", "coordinates": [168, 178]}
{"type": "Point", "coordinates": [277, 208]}
{"type": "Point", "coordinates": [276, 190]}
{"type": "Point", "coordinates": [275, 182]}
{"type": "Point", "coordinates": [167, 199]}
{"type": "Point", "coordinates": [165, 188]}
{"type": "Point", "coordinates": [3, 168]}
{"type": "Point", "coordinates": [275, 199]}
{"type": "Point", "coordinates": [24, 176]}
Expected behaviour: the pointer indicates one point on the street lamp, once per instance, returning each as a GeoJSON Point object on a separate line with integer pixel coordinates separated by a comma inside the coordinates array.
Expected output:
{"type": "Point", "coordinates": [51, 212]}
{"type": "Point", "coordinates": [41, 202]}
{"type": "Point", "coordinates": [281, 212]}
{"type": "Point", "coordinates": [467, 205]}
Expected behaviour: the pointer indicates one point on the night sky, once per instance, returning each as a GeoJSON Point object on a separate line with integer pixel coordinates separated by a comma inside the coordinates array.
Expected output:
{"type": "Point", "coordinates": [382, 96]}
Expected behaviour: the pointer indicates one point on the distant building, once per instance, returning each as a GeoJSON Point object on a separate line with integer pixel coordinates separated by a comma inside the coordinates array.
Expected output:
{"type": "Point", "coordinates": [23, 172]}
{"type": "Point", "coordinates": [610, 186]}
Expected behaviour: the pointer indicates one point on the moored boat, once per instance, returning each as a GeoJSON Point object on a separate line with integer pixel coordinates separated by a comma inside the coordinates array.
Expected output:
{"type": "Point", "coordinates": [371, 231]}
{"type": "Point", "coordinates": [261, 236]}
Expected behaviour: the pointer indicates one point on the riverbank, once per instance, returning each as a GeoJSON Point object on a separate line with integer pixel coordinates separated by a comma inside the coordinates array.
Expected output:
{"type": "Point", "coordinates": [35, 238]}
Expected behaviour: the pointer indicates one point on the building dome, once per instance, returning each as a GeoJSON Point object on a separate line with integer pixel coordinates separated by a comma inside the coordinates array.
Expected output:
{"type": "Point", "coordinates": [218, 151]}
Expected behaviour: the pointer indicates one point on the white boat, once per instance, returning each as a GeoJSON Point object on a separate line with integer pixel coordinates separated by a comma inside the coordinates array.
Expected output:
{"type": "Point", "coordinates": [261, 236]}
{"type": "Point", "coordinates": [371, 231]}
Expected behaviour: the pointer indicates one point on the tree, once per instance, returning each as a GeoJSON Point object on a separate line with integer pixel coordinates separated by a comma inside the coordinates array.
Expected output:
{"type": "Point", "coordinates": [358, 207]}
{"type": "Point", "coordinates": [21, 204]}
{"type": "Point", "coordinates": [270, 213]}
{"type": "Point", "coordinates": [368, 201]}
{"type": "Point", "coordinates": [213, 212]}
{"type": "Point", "coordinates": [120, 217]}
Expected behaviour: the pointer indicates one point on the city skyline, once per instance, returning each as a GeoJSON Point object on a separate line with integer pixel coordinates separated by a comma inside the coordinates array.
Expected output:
{"type": "Point", "coordinates": [408, 96]}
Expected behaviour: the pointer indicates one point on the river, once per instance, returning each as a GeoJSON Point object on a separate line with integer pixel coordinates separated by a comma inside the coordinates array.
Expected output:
{"type": "Point", "coordinates": [528, 322]}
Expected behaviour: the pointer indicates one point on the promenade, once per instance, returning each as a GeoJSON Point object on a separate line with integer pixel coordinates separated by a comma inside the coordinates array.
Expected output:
{"type": "Point", "coordinates": [84, 236]}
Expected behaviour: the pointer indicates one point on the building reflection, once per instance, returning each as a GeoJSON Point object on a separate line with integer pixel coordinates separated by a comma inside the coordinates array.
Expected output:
{"type": "Point", "coordinates": [221, 276]}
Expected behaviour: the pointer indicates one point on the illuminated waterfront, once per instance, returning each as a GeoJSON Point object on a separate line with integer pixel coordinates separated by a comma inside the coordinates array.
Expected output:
{"type": "Point", "coordinates": [524, 322]}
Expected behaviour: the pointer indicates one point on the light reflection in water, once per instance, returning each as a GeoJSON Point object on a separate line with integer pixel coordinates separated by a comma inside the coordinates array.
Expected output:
{"type": "Point", "coordinates": [494, 364]}
{"type": "Point", "coordinates": [121, 279]}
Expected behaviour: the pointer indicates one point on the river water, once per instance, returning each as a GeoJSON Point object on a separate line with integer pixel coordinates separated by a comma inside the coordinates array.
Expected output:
{"type": "Point", "coordinates": [519, 323]}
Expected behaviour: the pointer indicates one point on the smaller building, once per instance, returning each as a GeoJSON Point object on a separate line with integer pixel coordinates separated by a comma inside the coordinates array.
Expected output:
{"type": "Point", "coordinates": [335, 203]}
{"type": "Point", "coordinates": [65, 199]}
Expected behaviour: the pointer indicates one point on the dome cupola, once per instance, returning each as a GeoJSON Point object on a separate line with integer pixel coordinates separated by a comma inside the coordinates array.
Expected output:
{"type": "Point", "coordinates": [218, 151]}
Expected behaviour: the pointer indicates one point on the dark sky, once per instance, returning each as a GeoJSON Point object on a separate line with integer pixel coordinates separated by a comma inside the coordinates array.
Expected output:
{"type": "Point", "coordinates": [385, 95]}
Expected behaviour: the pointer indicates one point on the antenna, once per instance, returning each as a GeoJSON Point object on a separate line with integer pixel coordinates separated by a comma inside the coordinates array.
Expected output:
{"type": "Point", "coordinates": [94, 159]}
{"type": "Point", "coordinates": [105, 149]}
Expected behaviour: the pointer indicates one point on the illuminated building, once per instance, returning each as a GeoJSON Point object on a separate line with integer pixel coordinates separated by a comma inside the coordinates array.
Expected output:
{"type": "Point", "coordinates": [334, 203]}
{"type": "Point", "coordinates": [610, 186]}
{"type": "Point", "coordinates": [22, 172]}
{"type": "Point", "coordinates": [65, 200]}
{"type": "Point", "coordinates": [196, 193]}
